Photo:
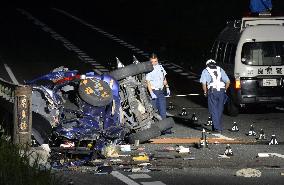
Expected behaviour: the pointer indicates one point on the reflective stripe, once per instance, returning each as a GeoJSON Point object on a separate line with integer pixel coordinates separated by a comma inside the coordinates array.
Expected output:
{"type": "Point", "coordinates": [216, 82]}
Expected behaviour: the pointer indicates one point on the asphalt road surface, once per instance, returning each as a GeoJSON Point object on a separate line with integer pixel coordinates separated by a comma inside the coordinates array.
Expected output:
{"type": "Point", "coordinates": [35, 42]}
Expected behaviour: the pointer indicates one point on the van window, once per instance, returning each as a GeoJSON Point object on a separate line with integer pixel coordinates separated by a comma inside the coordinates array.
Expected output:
{"type": "Point", "coordinates": [220, 52]}
{"type": "Point", "coordinates": [213, 50]}
{"type": "Point", "coordinates": [263, 53]}
{"type": "Point", "coordinates": [233, 54]}
{"type": "Point", "coordinates": [227, 53]}
{"type": "Point", "coordinates": [230, 54]}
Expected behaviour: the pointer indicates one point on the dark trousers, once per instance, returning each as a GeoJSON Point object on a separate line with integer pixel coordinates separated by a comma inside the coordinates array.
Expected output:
{"type": "Point", "coordinates": [160, 102]}
{"type": "Point", "coordinates": [216, 100]}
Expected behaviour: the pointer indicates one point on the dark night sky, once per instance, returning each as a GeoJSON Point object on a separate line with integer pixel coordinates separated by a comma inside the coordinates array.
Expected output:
{"type": "Point", "coordinates": [178, 30]}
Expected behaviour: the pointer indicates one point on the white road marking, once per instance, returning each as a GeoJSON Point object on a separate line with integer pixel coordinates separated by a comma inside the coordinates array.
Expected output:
{"type": "Point", "coordinates": [153, 183]}
{"type": "Point", "coordinates": [97, 71]}
{"type": "Point", "coordinates": [104, 70]}
{"type": "Point", "coordinates": [66, 43]}
{"type": "Point", "coordinates": [94, 64]}
{"type": "Point", "coordinates": [100, 67]}
{"type": "Point", "coordinates": [270, 154]}
{"type": "Point", "coordinates": [133, 48]}
{"type": "Point", "coordinates": [139, 176]}
{"type": "Point", "coordinates": [11, 74]}
{"type": "Point", "coordinates": [176, 65]}
{"type": "Point", "coordinates": [181, 95]}
{"type": "Point", "coordinates": [123, 178]}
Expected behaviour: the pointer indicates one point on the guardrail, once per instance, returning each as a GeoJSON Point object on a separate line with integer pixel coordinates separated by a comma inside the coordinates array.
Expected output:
{"type": "Point", "coordinates": [17, 100]}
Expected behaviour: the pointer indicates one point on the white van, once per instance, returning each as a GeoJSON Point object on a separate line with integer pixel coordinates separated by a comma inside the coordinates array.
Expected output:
{"type": "Point", "coordinates": [251, 51]}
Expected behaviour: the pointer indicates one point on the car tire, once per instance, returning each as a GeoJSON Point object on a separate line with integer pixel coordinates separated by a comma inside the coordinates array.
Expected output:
{"type": "Point", "coordinates": [165, 124]}
{"type": "Point", "coordinates": [232, 108]}
{"type": "Point", "coordinates": [144, 135]}
{"type": "Point", "coordinates": [104, 97]}
{"type": "Point", "coordinates": [131, 70]}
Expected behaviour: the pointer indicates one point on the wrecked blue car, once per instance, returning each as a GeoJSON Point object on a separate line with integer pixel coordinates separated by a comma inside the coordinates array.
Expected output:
{"type": "Point", "coordinates": [90, 110]}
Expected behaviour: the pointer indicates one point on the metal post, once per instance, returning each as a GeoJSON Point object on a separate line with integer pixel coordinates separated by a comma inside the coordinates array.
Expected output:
{"type": "Point", "coordinates": [22, 116]}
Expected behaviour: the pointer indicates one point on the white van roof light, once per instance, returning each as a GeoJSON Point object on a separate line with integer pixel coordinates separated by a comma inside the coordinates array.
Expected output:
{"type": "Point", "coordinates": [254, 21]}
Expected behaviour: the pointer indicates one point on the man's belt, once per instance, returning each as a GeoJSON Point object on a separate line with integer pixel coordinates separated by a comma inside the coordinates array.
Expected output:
{"type": "Point", "coordinates": [215, 89]}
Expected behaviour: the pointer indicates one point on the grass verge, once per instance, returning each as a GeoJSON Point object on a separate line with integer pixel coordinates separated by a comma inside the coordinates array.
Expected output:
{"type": "Point", "coordinates": [15, 168]}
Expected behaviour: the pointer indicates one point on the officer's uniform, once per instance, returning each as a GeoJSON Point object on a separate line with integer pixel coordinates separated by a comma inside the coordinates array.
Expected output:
{"type": "Point", "coordinates": [156, 79]}
{"type": "Point", "coordinates": [215, 80]}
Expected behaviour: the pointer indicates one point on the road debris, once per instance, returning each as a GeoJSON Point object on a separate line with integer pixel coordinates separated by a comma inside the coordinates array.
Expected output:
{"type": "Point", "coordinates": [140, 170]}
{"type": "Point", "coordinates": [144, 164]}
{"type": "Point", "coordinates": [110, 151]}
{"type": "Point", "coordinates": [248, 172]}
{"type": "Point", "coordinates": [125, 148]}
{"type": "Point", "coordinates": [141, 157]}
{"type": "Point", "coordinates": [104, 170]}
{"type": "Point", "coordinates": [136, 143]}
{"type": "Point", "coordinates": [182, 149]}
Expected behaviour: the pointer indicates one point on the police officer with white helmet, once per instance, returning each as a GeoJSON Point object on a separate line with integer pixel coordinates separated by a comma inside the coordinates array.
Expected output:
{"type": "Point", "coordinates": [156, 81]}
{"type": "Point", "coordinates": [215, 82]}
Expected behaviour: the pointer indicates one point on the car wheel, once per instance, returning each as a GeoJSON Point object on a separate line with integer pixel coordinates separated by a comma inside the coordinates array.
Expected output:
{"type": "Point", "coordinates": [131, 70]}
{"type": "Point", "coordinates": [165, 124]}
{"type": "Point", "coordinates": [95, 92]}
{"type": "Point", "coordinates": [144, 135]}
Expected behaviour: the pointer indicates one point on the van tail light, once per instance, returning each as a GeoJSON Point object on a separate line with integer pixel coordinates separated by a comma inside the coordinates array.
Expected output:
{"type": "Point", "coordinates": [237, 84]}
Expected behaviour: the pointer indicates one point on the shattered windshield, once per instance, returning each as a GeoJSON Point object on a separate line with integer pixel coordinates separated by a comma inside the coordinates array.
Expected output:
{"type": "Point", "coordinates": [263, 53]}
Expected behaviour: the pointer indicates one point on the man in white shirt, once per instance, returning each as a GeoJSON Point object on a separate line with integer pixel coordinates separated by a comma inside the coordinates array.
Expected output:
{"type": "Point", "coordinates": [156, 81]}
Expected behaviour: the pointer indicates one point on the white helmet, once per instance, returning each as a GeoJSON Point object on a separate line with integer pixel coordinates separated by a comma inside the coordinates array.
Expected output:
{"type": "Point", "coordinates": [210, 61]}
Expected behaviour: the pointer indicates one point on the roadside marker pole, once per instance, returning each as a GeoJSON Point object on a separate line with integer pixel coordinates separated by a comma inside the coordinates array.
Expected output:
{"type": "Point", "coordinates": [22, 116]}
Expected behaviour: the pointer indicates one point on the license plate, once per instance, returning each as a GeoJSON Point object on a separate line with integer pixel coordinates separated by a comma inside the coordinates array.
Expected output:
{"type": "Point", "coordinates": [269, 82]}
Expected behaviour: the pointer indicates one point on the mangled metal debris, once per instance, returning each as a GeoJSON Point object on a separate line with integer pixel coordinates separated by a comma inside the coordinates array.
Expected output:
{"type": "Point", "coordinates": [89, 114]}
